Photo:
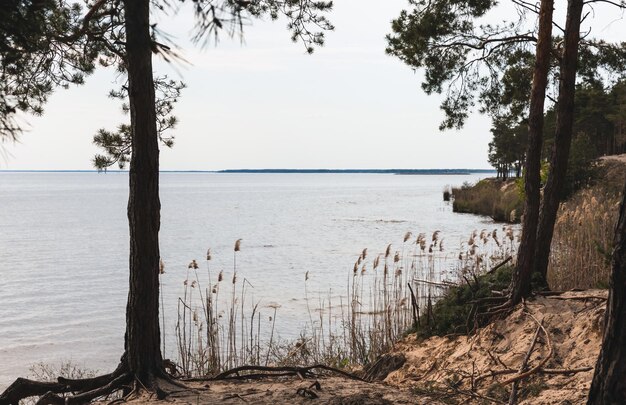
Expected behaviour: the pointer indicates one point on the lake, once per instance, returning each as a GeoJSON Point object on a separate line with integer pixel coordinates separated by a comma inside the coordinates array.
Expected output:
{"type": "Point", "coordinates": [64, 248]}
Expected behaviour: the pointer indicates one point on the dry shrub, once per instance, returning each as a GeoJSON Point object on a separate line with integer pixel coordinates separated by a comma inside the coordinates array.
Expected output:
{"type": "Point", "coordinates": [499, 200]}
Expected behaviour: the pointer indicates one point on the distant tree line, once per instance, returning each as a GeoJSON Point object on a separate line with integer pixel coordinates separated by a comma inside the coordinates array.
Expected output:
{"type": "Point", "coordinates": [599, 129]}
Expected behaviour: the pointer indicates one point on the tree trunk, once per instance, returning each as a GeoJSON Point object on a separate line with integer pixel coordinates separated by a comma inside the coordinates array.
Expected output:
{"type": "Point", "coordinates": [562, 138]}
{"type": "Point", "coordinates": [520, 284]}
{"type": "Point", "coordinates": [142, 342]}
{"type": "Point", "coordinates": [609, 380]}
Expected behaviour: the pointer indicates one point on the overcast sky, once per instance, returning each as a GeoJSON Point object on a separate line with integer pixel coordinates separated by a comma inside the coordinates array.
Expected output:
{"type": "Point", "coordinates": [267, 104]}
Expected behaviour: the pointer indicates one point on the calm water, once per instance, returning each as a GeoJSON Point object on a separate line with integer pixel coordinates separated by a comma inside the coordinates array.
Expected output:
{"type": "Point", "coordinates": [64, 247]}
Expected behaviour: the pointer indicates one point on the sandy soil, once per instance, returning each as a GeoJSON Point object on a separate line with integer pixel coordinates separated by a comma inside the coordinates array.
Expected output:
{"type": "Point", "coordinates": [573, 324]}
{"type": "Point", "coordinates": [461, 369]}
{"type": "Point", "coordinates": [279, 391]}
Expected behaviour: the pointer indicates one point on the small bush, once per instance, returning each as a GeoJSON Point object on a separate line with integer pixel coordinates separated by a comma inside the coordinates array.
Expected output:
{"type": "Point", "coordinates": [450, 314]}
{"type": "Point", "coordinates": [67, 369]}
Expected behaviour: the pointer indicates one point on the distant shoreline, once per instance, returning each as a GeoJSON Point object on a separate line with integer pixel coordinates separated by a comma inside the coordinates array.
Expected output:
{"type": "Point", "coordinates": [289, 171]}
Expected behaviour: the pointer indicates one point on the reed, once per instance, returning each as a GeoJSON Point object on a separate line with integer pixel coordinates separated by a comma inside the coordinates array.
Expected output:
{"type": "Point", "coordinates": [583, 240]}
{"type": "Point", "coordinates": [218, 330]}
{"type": "Point", "coordinates": [387, 293]}
{"type": "Point", "coordinates": [383, 307]}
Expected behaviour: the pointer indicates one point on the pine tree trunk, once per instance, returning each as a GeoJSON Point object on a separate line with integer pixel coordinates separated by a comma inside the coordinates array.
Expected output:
{"type": "Point", "coordinates": [609, 380]}
{"type": "Point", "coordinates": [562, 138]}
{"type": "Point", "coordinates": [142, 343]}
{"type": "Point", "coordinates": [520, 284]}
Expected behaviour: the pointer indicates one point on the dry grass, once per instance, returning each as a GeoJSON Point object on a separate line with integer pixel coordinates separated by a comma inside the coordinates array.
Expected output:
{"type": "Point", "coordinates": [494, 198]}
{"type": "Point", "coordinates": [218, 325]}
{"type": "Point", "coordinates": [583, 234]}
{"type": "Point", "coordinates": [583, 239]}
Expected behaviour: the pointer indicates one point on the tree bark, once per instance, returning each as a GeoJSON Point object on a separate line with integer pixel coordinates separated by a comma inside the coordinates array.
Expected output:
{"type": "Point", "coordinates": [142, 340]}
{"type": "Point", "coordinates": [562, 138]}
{"type": "Point", "coordinates": [609, 380]}
{"type": "Point", "coordinates": [520, 284]}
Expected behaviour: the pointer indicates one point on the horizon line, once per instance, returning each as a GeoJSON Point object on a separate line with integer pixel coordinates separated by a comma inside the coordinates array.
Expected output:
{"type": "Point", "coordinates": [272, 170]}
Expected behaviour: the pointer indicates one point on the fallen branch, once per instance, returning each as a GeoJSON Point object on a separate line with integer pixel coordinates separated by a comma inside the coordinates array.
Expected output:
{"type": "Point", "coordinates": [508, 259]}
{"type": "Point", "coordinates": [438, 393]}
{"type": "Point", "coordinates": [240, 396]}
{"type": "Point", "coordinates": [554, 371]}
{"type": "Point", "coordinates": [442, 284]}
{"type": "Point", "coordinates": [565, 370]}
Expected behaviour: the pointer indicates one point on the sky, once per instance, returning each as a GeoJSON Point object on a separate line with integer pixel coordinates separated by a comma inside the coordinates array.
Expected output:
{"type": "Point", "coordinates": [264, 103]}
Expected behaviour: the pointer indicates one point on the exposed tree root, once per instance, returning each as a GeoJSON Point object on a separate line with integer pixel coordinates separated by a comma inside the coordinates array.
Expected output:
{"type": "Point", "coordinates": [513, 396]}
{"type": "Point", "coordinates": [71, 391]}
{"type": "Point", "coordinates": [256, 372]}
{"type": "Point", "coordinates": [538, 367]}
{"type": "Point", "coordinates": [52, 398]}
{"type": "Point", "coordinates": [581, 298]}
{"type": "Point", "coordinates": [523, 372]}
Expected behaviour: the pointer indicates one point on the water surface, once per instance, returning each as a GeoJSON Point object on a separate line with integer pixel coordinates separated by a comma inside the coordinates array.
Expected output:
{"type": "Point", "coordinates": [64, 247]}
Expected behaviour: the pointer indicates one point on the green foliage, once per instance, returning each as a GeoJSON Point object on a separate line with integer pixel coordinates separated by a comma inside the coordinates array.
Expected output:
{"type": "Point", "coordinates": [599, 115]}
{"type": "Point", "coordinates": [544, 171]}
{"type": "Point", "coordinates": [507, 150]}
{"type": "Point", "coordinates": [580, 169]}
{"type": "Point", "coordinates": [461, 59]}
{"type": "Point", "coordinates": [117, 145]}
{"type": "Point", "coordinates": [305, 19]}
{"type": "Point", "coordinates": [452, 311]}
{"type": "Point", "coordinates": [37, 55]}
